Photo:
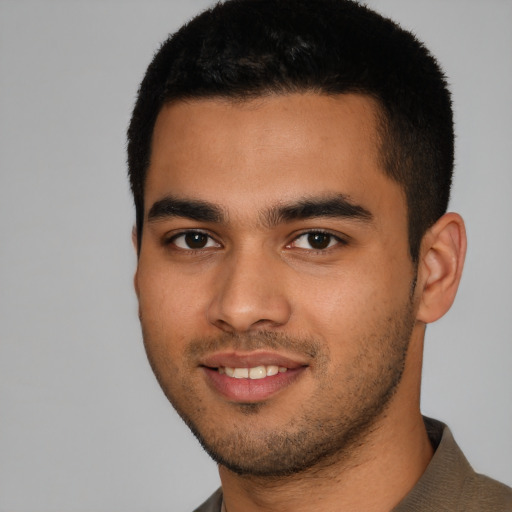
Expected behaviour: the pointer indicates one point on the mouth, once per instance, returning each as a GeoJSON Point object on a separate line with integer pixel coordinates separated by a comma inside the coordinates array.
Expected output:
{"type": "Point", "coordinates": [250, 378]}
{"type": "Point", "coordinates": [254, 373]}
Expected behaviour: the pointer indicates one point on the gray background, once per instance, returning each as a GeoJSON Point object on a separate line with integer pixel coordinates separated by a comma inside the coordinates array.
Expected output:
{"type": "Point", "coordinates": [83, 424]}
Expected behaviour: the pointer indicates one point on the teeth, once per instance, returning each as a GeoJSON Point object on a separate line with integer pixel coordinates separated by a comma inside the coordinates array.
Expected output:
{"type": "Point", "coordinates": [257, 372]}
{"type": "Point", "coordinates": [272, 370]}
{"type": "Point", "coordinates": [241, 373]}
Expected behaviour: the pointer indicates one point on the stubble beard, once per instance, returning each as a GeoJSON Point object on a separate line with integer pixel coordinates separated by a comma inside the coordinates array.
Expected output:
{"type": "Point", "coordinates": [328, 429]}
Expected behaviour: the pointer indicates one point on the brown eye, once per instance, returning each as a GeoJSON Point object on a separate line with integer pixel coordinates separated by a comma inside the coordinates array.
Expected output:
{"type": "Point", "coordinates": [319, 240]}
{"type": "Point", "coordinates": [316, 241]}
{"type": "Point", "coordinates": [194, 240]}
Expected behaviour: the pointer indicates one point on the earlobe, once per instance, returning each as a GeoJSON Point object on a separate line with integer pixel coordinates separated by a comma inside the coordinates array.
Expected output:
{"type": "Point", "coordinates": [136, 284]}
{"type": "Point", "coordinates": [440, 268]}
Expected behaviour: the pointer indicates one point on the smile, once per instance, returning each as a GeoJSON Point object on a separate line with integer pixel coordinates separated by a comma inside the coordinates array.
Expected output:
{"type": "Point", "coordinates": [254, 373]}
{"type": "Point", "coordinates": [251, 377]}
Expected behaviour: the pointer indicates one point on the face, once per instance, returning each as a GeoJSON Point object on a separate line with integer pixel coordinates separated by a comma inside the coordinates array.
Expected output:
{"type": "Point", "coordinates": [274, 278]}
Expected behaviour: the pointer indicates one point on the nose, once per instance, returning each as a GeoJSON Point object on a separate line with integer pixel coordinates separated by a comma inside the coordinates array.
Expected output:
{"type": "Point", "coordinates": [250, 294]}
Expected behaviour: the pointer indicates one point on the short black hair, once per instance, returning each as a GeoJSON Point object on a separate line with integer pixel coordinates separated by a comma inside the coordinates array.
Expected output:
{"type": "Point", "coordinates": [242, 49]}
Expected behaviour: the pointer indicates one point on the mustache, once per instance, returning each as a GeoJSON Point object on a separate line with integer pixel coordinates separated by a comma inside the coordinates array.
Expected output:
{"type": "Point", "coordinates": [251, 341]}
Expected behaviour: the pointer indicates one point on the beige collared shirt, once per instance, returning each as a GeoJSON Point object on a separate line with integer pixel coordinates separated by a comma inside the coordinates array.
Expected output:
{"type": "Point", "coordinates": [449, 483]}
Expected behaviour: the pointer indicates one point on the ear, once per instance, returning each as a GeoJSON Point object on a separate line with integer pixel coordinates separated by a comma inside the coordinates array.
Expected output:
{"type": "Point", "coordinates": [443, 251]}
{"type": "Point", "coordinates": [135, 246]}
{"type": "Point", "coordinates": [134, 238]}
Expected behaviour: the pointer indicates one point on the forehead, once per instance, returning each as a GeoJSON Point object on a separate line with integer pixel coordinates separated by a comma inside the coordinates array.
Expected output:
{"type": "Point", "coordinates": [268, 149]}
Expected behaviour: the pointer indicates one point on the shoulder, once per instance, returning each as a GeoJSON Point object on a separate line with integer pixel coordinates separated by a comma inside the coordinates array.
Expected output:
{"type": "Point", "coordinates": [212, 504]}
{"type": "Point", "coordinates": [450, 484]}
{"type": "Point", "coordinates": [483, 493]}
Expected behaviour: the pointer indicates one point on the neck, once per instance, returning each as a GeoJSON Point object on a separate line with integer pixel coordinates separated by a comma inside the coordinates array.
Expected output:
{"type": "Point", "coordinates": [373, 475]}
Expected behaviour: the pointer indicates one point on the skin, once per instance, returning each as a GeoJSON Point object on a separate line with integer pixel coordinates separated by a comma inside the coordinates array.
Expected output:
{"type": "Point", "coordinates": [348, 314]}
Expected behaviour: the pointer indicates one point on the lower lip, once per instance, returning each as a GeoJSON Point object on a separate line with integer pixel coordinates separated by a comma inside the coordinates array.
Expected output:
{"type": "Point", "coordinates": [251, 390]}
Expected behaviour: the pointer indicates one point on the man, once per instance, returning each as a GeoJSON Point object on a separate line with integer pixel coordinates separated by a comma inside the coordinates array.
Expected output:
{"type": "Point", "coordinates": [291, 164]}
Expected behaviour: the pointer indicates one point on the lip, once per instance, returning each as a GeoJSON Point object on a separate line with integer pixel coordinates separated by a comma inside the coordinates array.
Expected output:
{"type": "Point", "coordinates": [237, 359]}
{"type": "Point", "coordinates": [250, 390]}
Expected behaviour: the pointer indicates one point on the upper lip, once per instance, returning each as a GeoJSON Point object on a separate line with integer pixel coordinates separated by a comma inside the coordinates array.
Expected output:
{"type": "Point", "coordinates": [236, 359]}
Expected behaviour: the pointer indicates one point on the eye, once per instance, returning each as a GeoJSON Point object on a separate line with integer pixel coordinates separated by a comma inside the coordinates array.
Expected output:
{"type": "Point", "coordinates": [316, 240]}
{"type": "Point", "coordinates": [193, 240]}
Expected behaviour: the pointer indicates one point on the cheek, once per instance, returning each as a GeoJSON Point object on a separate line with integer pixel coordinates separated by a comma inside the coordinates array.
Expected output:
{"type": "Point", "coordinates": [171, 305]}
{"type": "Point", "coordinates": [167, 312]}
{"type": "Point", "coordinates": [339, 307]}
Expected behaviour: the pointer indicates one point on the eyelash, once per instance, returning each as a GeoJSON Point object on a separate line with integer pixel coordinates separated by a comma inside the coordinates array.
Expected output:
{"type": "Point", "coordinates": [339, 241]}
{"type": "Point", "coordinates": [172, 240]}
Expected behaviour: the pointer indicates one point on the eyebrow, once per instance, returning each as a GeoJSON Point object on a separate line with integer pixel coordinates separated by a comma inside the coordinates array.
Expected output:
{"type": "Point", "coordinates": [194, 209]}
{"type": "Point", "coordinates": [335, 206]}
